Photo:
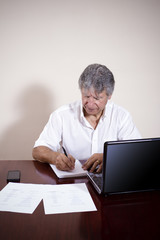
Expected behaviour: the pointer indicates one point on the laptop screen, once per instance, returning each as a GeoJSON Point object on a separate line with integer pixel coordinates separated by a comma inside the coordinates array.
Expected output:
{"type": "Point", "coordinates": [131, 166]}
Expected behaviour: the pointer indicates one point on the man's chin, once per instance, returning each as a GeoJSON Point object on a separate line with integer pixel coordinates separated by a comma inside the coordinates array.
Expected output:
{"type": "Point", "coordinates": [91, 111]}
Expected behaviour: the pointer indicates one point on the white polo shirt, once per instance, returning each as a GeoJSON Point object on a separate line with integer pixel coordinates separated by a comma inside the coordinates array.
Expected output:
{"type": "Point", "coordinates": [68, 127]}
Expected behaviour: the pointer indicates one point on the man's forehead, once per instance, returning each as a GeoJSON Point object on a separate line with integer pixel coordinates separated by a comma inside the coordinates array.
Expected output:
{"type": "Point", "coordinates": [92, 92]}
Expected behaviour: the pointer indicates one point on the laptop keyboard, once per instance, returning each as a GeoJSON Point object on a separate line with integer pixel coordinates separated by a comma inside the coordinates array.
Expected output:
{"type": "Point", "coordinates": [97, 178]}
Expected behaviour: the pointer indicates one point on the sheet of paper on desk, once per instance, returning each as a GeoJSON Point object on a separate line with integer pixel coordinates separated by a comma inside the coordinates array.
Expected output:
{"type": "Point", "coordinates": [20, 198]}
{"type": "Point", "coordinates": [77, 172]}
{"type": "Point", "coordinates": [61, 198]}
{"type": "Point", "coordinates": [68, 198]}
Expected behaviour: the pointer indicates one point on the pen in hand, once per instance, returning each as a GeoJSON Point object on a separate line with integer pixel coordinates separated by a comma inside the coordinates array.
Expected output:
{"type": "Point", "coordinates": [64, 150]}
{"type": "Point", "coordinates": [71, 162]}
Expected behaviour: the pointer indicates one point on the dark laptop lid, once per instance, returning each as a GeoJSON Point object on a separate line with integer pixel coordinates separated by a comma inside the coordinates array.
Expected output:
{"type": "Point", "coordinates": [131, 165]}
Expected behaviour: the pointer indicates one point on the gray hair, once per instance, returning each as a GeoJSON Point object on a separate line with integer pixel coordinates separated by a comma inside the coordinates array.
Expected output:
{"type": "Point", "coordinates": [99, 77]}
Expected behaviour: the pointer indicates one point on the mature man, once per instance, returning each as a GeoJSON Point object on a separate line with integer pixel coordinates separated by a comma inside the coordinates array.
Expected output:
{"type": "Point", "coordinates": [82, 127]}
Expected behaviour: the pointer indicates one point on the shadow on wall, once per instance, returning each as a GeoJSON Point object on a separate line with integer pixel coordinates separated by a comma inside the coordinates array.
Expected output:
{"type": "Point", "coordinates": [35, 107]}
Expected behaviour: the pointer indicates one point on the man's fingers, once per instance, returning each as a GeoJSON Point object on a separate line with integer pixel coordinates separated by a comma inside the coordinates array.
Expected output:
{"type": "Point", "coordinates": [94, 163]}
{"type": "Point", "coordinates": [88, 163]}
{"type": "Point", "coordinates": [99, 170]}
{"type": "Point", "coordinates": [94, 166]}
{"type": "Point", "coordinates": [65, 163]}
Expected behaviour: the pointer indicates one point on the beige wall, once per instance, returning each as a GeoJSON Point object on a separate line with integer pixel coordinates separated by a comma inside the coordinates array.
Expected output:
{"type": "Point", "coordinates": [46, 44]}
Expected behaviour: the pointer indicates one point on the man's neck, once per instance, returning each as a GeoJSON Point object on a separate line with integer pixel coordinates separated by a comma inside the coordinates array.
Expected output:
{"type": "Point", "coordinates": [93, 119]}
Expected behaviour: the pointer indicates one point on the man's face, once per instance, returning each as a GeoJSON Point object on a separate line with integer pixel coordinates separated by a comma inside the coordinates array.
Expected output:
{"type": "Point", "coordinates": [93, 103]}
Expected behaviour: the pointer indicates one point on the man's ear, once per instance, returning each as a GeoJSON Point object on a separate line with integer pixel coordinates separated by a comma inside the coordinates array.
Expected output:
{"type": "Point", "coordinates": [109, 97]}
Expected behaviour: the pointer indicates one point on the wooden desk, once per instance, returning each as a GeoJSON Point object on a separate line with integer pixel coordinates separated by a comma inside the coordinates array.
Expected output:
{"type": "Point", "coordinates": [127, 216]}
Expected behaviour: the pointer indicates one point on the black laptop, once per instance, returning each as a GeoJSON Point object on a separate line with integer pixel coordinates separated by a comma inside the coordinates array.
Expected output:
{"type": "Point", "coordinates": [129, 166]}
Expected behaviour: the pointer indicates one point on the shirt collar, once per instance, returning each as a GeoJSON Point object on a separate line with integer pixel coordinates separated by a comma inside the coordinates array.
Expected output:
{"type": "Point", "coordinates": [104, 113]}
{"type": "Point", "coordinates": [81, 110]}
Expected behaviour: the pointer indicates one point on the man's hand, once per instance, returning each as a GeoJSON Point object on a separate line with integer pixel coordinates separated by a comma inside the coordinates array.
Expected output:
{"type": "Point", "coordinates": [94, 163]}
{"type": "Point", "coordinates": [65, 163]}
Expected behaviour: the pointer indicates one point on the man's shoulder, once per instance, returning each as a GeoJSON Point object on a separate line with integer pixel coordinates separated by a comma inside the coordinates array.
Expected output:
{"type": "Point", "coordinates": [117, 109]}
{"type": "Point", "coordinates": [68, 108]}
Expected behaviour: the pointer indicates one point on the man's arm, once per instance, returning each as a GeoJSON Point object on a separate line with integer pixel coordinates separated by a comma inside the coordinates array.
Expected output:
{"type": "Point", "coordinates": [45, 154]}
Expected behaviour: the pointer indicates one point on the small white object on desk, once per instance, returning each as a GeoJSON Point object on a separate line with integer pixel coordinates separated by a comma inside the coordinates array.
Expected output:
{"type": "Point", "coordinates": [76, 172]}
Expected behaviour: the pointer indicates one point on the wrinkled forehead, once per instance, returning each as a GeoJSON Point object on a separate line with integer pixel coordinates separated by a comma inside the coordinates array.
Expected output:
{"type": "Point", "coordinates": [92, 92]}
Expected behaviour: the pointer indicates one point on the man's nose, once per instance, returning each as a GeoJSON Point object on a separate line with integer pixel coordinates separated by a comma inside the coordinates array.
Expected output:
{"type": "Point", "coordinates": [91, 101]}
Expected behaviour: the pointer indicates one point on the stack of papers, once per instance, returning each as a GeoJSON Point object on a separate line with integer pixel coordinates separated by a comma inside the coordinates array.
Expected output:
{"type": "Point", "coordinates": [63, 198]}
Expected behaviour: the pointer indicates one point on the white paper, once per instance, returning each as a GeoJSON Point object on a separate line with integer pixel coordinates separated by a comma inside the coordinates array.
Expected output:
{"type": "Point", "coordinates": [76, 172]}
{"type": "Point", "coordinates": [20, 198]}
{"type": "Point", "coordinates": [62, 198]}
{"type": "Point", "coordinates": [68, 198]}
